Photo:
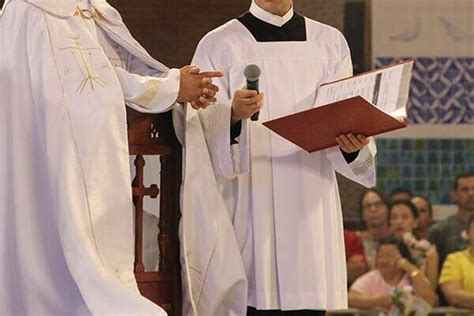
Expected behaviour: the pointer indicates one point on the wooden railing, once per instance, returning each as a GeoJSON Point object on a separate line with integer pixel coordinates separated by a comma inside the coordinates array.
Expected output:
{"type": "Point", "coordinates": [153, 134]}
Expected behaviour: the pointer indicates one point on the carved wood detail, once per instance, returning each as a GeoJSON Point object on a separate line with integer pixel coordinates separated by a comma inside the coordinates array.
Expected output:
{"type": "Point", "coordinates": [153, 134]}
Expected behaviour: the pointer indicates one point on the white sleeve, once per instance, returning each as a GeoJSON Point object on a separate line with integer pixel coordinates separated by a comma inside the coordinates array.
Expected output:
{"type": "Point", "coordinates": [343, 69]}
{"type": "Point", "coordinates": [150, 94]}
{"type": "Point", "coordinates": [228, 160]}
{"type": "Point", "coordinates": [362, 169]}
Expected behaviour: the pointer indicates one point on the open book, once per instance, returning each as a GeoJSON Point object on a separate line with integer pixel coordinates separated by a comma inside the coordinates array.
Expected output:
{"type": "Point", "coordinates": [369, 104]}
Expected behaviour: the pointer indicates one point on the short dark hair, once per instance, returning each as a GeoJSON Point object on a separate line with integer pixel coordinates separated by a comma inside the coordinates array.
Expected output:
{"type": "Point", "coordinates": [402, 248]}
{"type": "Point", "coordinates": [462, 176]}
{"type": "Point", "coordinates": [401, 190]}
{"type": "Point", "coordinates": [407, 203]}
{"type": "Point", "coordinates": [381, 195]}
{"type": "Point", "coordinates": [428, 202]}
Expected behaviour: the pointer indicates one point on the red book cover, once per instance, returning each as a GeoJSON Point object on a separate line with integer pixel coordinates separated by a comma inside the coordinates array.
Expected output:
{"type": "Point", "coordinates": [316, 129]}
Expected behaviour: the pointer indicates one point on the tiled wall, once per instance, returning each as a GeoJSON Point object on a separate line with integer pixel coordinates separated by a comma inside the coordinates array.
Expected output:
{"type": "Point", "coordinates": [438, 145]}
{"type": "Point", "coordinates": [441, 89]}
{"type": "Point", "coordinates": [425, 166]}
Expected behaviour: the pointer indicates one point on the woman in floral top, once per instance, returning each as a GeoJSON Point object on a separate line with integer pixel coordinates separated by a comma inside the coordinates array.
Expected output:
{"type": "Point", "coordinates": [403, 221]}
{"type": "Point", "coordinates": [394, 269]}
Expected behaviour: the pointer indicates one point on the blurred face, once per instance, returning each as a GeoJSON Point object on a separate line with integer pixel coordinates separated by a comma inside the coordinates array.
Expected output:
{"type": "Point", "coordinates": [464, 195]}
{"type": "Point", "coordinates": [374, 210]}
{"type": "Point", "coordinates": [402, 220]}
{"type": "Point", "coordinates": [424, 216]}
{"type": "Point", "coordinates": [278, 7]}
{"type": "Point", "coordinates": [387, 259]}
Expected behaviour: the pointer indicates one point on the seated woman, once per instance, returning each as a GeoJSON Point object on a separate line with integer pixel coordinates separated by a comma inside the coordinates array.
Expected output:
{"type": "Point", "coordinates": [374, 213]}
{"type": "Point", "coordinates": [457, 275]}
{"type": "Point", "coordinates": [403, 217]}
{"type": "Point", "coordinates": [394, 269]}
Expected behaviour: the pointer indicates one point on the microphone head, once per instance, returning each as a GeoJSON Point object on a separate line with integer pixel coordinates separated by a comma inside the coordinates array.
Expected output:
{"type": "Point", "coordinates": [252, 72]}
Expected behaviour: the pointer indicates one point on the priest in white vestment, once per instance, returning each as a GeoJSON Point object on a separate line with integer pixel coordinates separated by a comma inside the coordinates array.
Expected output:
{"type": "Point", "coordinates": [66, 231]}
{"type": "Point", "coordinates": [283, 202]}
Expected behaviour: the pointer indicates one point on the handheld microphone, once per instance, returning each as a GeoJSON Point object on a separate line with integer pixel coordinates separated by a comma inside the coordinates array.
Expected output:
{"type": "Point", "coordinates": [252, 73]}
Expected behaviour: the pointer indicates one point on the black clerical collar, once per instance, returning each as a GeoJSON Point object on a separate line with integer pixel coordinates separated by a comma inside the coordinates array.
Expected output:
{"type": "Point", "coordinates": [293, 30]}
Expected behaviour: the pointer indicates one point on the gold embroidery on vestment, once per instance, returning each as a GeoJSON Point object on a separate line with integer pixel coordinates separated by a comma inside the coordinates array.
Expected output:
{"type": "Point", "coordinates": [103, 260]}
{"type": "Point", "coordinates": [88, 14]}
{"type": "Point", "coordinates": [84, 64]}
{"type": "Point", "coordinates": [150, 93]}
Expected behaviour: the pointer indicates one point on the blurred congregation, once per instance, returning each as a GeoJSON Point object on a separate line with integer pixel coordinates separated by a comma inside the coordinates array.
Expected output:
{"type": "Point", "coordinates": [399, 241]}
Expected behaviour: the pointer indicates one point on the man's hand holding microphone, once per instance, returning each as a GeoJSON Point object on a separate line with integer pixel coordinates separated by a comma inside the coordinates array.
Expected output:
{"type": "Point", "coordinates": [247, 102]}
{"type": "Point", "coordinates": [197, 88]}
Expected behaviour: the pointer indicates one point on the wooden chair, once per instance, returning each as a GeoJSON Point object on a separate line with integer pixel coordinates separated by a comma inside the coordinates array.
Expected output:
{"type": "Point", "coordinates": [153, 134]}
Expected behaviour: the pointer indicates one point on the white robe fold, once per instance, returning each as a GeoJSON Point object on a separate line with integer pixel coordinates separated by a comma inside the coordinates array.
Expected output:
{"type": "Point", "coordinates": [66, 232]}
{"type": "Point", "coordinates": [285, 210]}
{"type": "Point", "coordinates": [214, 282]}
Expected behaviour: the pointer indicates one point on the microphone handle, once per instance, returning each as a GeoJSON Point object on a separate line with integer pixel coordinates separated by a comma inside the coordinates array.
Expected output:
{"type": "Point", "coordinates": [254, 116]}
{"type": "Point", "coordinates": [253, 85]}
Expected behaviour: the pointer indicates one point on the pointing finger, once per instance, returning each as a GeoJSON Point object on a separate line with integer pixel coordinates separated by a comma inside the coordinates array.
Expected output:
{"type": "Point", "coordinates": [212, 74]}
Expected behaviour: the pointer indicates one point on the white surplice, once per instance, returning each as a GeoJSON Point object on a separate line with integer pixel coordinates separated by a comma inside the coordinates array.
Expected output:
{"type": "Point", "coordinates": [213, 276]}
{"type": "Point", "coordinates": [67, 239]}
{"type": "Point", "coordinates": [285, 210]}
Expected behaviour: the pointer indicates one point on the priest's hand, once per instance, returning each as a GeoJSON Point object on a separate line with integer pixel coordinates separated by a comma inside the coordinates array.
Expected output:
{"type": "Point", "coordinates": [209, 91]}
{"type": "Point", "coordinates": [245, 103]}
{"type": "Point", "coordinates": [196, 87]}
{"type": "Point", "coordinates": [350, 143]}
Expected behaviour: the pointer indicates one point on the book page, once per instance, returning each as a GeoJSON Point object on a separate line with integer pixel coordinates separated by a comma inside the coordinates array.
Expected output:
{"type": "Point", "coordinates": [381, 88]}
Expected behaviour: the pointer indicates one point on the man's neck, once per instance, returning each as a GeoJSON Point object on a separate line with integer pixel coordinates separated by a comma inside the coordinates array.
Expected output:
{"type": "Point", "coordinates": [464, 214]}
{"type": "Point", "coordinates": [280, 11]}
{"type": "Point", "coordinates": [269, 17]}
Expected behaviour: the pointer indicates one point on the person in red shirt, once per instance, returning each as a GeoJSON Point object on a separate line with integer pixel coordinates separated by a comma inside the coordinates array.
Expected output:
{"type": "Point", "coordinates": [355, 258]}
